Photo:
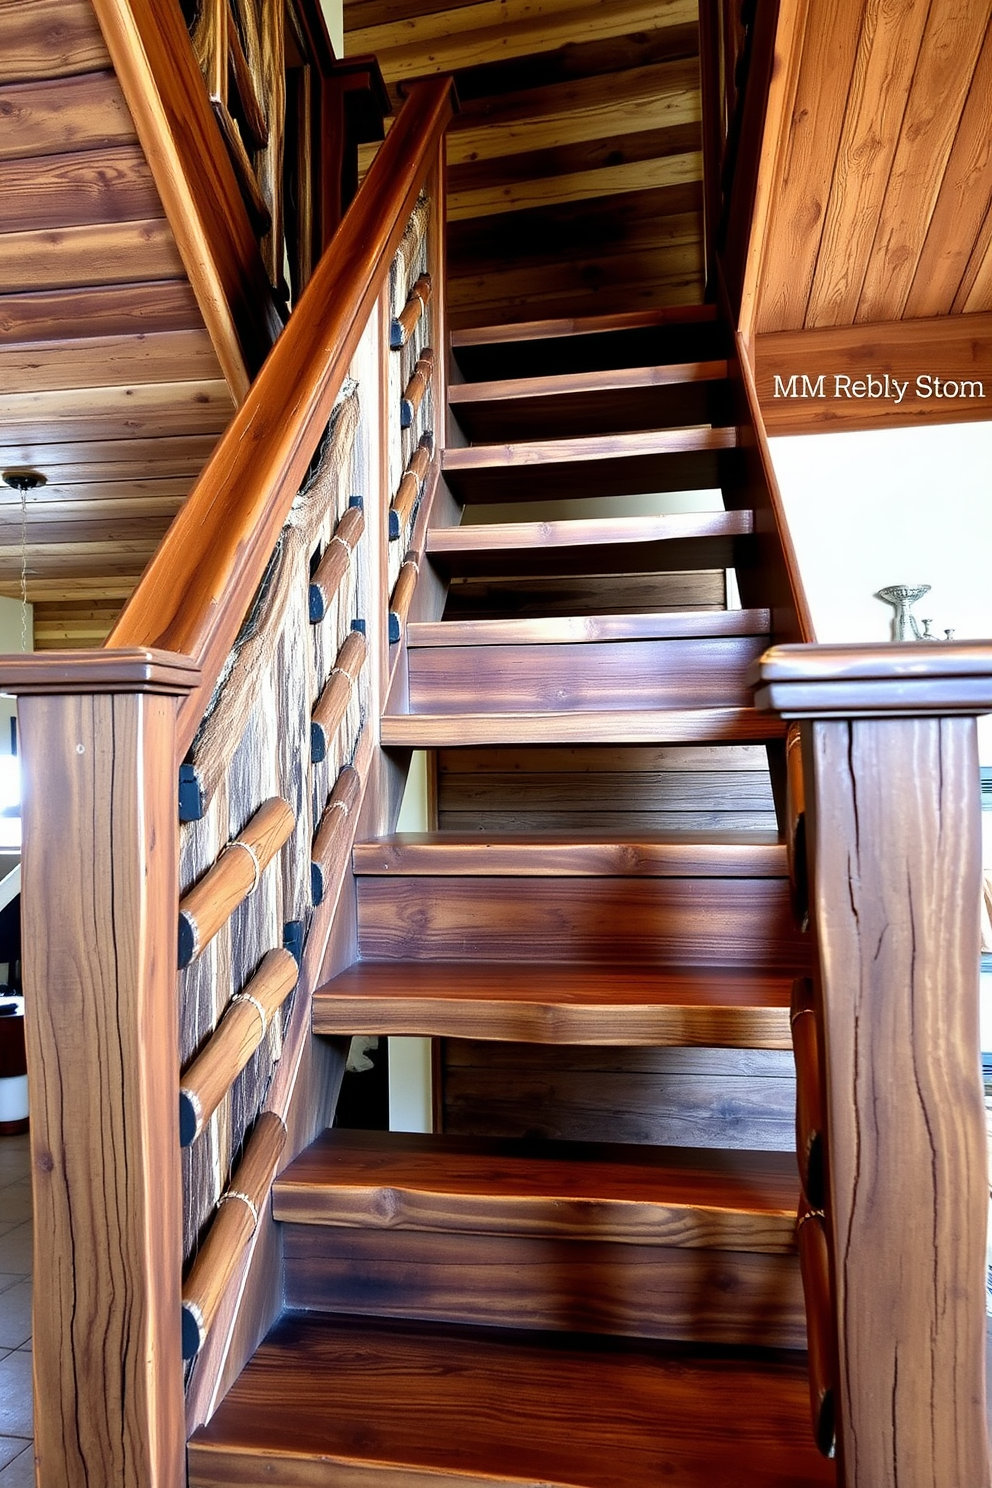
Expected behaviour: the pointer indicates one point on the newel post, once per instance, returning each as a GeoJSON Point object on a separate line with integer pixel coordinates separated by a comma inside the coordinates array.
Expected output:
{"type": "Point", "coordinates": [99, 916]}
{"type": "Point", "coordinates": [893, 830]}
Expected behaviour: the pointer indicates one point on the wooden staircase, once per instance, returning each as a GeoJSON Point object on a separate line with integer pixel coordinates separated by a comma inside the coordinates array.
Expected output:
{"type": "Point", "coordinates": [513, 1304]}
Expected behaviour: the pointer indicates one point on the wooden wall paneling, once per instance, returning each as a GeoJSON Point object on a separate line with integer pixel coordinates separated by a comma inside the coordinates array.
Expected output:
{"type": "Point", "coordinates": [115, 310]}
{"type": "Point", "coordinates": [101, 1039]}
{"type": "Point", "coordinates": [579, 158]}
{"type": "Point", "coordinates": [56, 116]}
{"type": "Point", "coordinates": [49, 39]}
{"type": "Point", "coordinates": [801, 139]}
{"type": "Point", "coordinates": [511, 26]}
{"type": "Point", "coordinates": [103, 253]}
{"type": "Point", "coordinates": [95, 461]}
{"type": "Point", "coordinates": [543, 236]}
{"type": "Point", "coordinates": [164, 90]}
{"type": "Point", "coordinates": [591, 108]}
{"type": "Point", "coordinates": [938, 93]}
{"type": "Point", "coordinates": [156, 357]}
{"type": "Point", "coordinates": [975, 293]}
{"type": "Point", "coordinates": [949, 348]}
{"type": "Point", "coordinates": [634, 175]}
{"type": "Point", "coordinates": [140, 410]}
{"type": "Point", "coordinates": [963, 202]}
{"type": "Point", "coordinates": [887, 55]}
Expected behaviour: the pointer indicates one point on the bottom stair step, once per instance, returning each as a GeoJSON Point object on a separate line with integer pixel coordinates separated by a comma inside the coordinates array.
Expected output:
{"type": "Point", "coordinates": [356, 1403]}
{"type": "Point", "coordinates": [644, 1242]}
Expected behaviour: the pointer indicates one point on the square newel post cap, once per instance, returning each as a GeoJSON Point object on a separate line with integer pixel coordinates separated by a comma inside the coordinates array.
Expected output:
{"type": "Point", "coordinates": [901, 679]}
{"type": "Point", "coordinates": [129, 669]}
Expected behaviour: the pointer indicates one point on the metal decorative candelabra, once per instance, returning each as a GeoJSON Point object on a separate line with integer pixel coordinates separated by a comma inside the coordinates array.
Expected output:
{"type": "Point", "coordinates": [904, 624]}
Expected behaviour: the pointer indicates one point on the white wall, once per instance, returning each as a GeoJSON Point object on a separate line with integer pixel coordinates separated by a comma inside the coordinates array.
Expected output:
{"type": "Point", "coordinates": [894, 506]}
{"type": "Point", "coordinates": [334, 16]}
{"type": "Point", "coordinates": [897, 506]}
{"type": "Point", "coordinates": [16, 634]}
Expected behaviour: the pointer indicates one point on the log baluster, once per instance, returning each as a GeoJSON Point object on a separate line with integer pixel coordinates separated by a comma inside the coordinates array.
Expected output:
{"type": "Point", "coordinates": [236, 1220]}
{"type": "Point", "coordinates": [233, 1042]}
{"type": "Point", "coordinates": [403, 324]}
{"type": "Point", "coordinates": [212, 901]}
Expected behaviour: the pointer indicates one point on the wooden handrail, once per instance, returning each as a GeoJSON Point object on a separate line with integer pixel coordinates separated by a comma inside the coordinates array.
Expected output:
{"type": "Point", "coordinates": [196, 590]}
{"type": "Point", "coordinates": [897, 1272]}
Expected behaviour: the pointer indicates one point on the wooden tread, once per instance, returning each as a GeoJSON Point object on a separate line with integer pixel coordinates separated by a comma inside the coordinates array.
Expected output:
{"type": "Point", "coordinates": [661, 855]}
{"type": "Point", "coordinates": [600, 545]}
{"type": "Point", "coordinates": [560, 630]}
{"type": "Point", "coordinates": [595, 726]}
{"type": "Point", "coordinates": [682, 333]}
{"type": "Point", "coordinates": [542, 1003]}
{"type": "Point", "coordinates": [600, 402]}
{"type": "Point", "coordinates": [607, 465]}
{"type": "Point", "coordinates": [678, 1196]}
{"type": "Point", "coordinates": [357, 1401]}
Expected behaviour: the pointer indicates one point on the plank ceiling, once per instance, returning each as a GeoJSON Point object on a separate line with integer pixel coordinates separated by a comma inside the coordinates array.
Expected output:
{"type": "Point", "coordinates": [880, 178]}
{"type": "Point", "coordinates": [109, 384]}
{"type": "Point", "coordinates": [574, 167]}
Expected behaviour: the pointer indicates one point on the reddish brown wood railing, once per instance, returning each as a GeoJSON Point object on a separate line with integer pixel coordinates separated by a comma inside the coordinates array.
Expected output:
{"type": "Point", "coordinates": [197, 588]}
{"type": "Point", "coordinates": [103, 736]}
{"type": "Point", "coordinates": [894, 1230]}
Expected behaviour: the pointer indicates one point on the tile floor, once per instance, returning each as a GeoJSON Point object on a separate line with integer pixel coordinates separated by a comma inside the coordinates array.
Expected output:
{"type": "Point", "coordinates": [16, 1456]}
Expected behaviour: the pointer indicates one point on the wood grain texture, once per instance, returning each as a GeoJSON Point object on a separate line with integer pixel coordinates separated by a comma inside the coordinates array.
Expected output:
{"type": "Point", "coordinates": [684, 1097]}
{"type": "Point", "coordinates": [106, 253]}
{"type": "Point", "coordinates": [664, 922]}
{"type": "Point", "coordinates": [101, 1039]}
{"type": "Point", "coordinates": [578, 855]}
{"type": "Point", "coordinates": [615, 465]}
{"type": "Point", "coordinates": [588, 403]}
{"type": "Point", "coordinates": [901, 679]}
{"type": "Point", "coordinates": [895, 873]}
{"type": "Point", "coordinates": [425, 1428]}
{"type": "Point", "coordinates": [698, 672]}
{"type": "Point", "coordinates": [952, 348]}
{"type": "Point", "coordinates": [49, 39]}
{"type": "Point", "coordinates": [78, 189]}
{"type": "Point", "coordinates": [516, 1002]}
{"type": "Point", "coordinates": [579, 629]}
{"type": "Point", "coordinates": [492, 597]}
{"type": "Point", "coordinates": [593, 545]}
{"type": "Point", "coordinates": [65, 114]}
{"type": "Point", "coordinates": [164, 356]}
{"type": "Point", "coordinates": [876, 168]}
{"type": "Point", "coordinates": [643, 1195]}
{"type": "Point", "coordinates": [527, 1281]}
{"type": "Point", "coordinates": [118, 310]}
{"type": "Point", "coordinates": [930, 124]}
{"type": "Point", "coordinates": [601, 726]}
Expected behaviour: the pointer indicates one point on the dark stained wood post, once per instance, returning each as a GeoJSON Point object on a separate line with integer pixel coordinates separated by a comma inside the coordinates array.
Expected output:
{"type": "Point", "coordinates": [892, 795]}
{"type": "Point", "coordinates": [100, 906]}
